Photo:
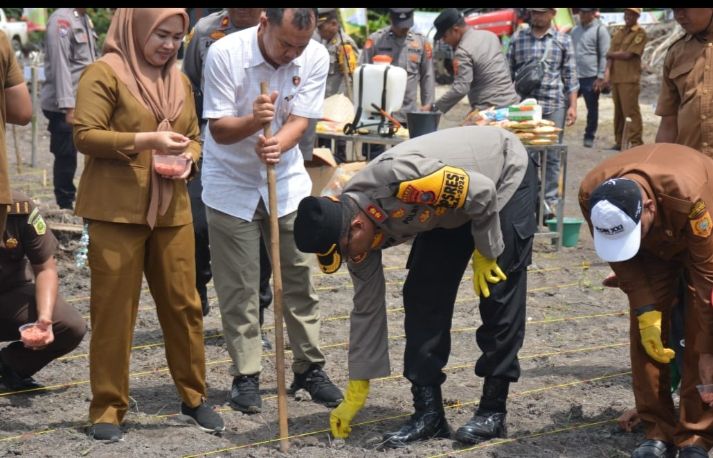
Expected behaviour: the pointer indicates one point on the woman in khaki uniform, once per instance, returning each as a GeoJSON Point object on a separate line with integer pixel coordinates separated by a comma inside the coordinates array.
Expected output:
{"type": "Point", "coordinates": [132, 105]}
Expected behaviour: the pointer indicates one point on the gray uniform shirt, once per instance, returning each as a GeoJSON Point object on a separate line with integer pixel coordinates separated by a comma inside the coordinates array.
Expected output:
{"type": "Point", "coordinates": [70, 44]}
{"type": "Point", "coordinates": [441, 180]}
{"type": "Point", "coordinates": [336, 80]}
{"type": "Point", "coordinates": [412, 53]}
{"type": "Point", "coordinates": [591, 62]}
{"type": "Point", "coordinates": [207, 31]}
{"type": "Point", "coordinates": [482, 72]}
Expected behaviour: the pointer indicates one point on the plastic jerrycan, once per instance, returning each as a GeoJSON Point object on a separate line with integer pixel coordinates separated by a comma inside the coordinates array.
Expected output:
{"type": "Point", "coordinates": [373, 85]}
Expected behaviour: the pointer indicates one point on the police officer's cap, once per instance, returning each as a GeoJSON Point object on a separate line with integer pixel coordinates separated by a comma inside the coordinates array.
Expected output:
{"type": "Point", "coordinates": [401, 17]}
{"type": "Point", "coordinates": [323, 14]}
{"type": "Point", "coordinates": [447, 19]}
{"type": "Point", "coordinates": [317, 228]}
{"type": "Point", "coordinates": [635, 10]}
{"type": "Point", "coordinates": [542, 10]}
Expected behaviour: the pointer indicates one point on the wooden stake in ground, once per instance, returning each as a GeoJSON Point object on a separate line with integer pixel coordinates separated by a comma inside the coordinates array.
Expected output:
{"type": "Point", "coordinates": [625, 134]}
{"type": "Point", "coordinates": [17, 149]}
{"type": "Point", "coordinates": [277, 293]}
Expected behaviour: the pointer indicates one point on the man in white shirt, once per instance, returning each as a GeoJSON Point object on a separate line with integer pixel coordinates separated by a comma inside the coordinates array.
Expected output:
{"type": "Point", "coordinates": [279, 51]}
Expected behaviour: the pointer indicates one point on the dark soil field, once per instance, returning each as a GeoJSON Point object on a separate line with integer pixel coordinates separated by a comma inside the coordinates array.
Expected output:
{"type": "Point", "coordinates": [575, 380]}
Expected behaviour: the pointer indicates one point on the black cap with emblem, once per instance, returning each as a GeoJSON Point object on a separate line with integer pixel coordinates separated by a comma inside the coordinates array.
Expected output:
{"type": "Point", "coordinates": [317, 229]}
{"type": "Point", "coordinates": [401, 17]}
{"type": "Point", "coordinates": [447, 19]}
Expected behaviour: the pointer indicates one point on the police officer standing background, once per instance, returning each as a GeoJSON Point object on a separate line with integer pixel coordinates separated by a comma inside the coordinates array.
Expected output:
{"type": "Point", "coordinates": [343, 51]}
{"type": "Point", "coordinates": [480, 69]}
{"type": "Point", "coordinates": [27, 249]}
{"type": "Point", "coordinates": [206, 32]}
{"type": "Point", "coordinates": [409, 50]}
{"type": "Point", "coordinates": [70, 44]}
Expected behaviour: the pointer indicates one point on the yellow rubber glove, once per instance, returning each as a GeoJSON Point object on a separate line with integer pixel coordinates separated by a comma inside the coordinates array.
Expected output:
{"type": "Point", "coordinates": [340, 419]}
{"type": "Point", "coordinates": [650, 330]}
{"type": "Point", "coordinates": [485, 271]}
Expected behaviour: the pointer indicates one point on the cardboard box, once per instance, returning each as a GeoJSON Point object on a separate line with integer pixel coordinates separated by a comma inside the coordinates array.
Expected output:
{"type": "Point", "coordinates": [320, 169]}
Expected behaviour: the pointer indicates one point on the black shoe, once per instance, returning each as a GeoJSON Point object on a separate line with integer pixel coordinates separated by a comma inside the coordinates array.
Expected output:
{"type": "Point", "coordinates": [105, 432]}
{"type": "Point", "coordinates": [15, 382]}
{"type": "Point", "coordinates": [588, 142]}
{"type": "Point", "coordinates": [317, 383]}
{"type": "Point", "coordinates": [245, 394]}
{"type": "Point", "coordinates": [204, 417]}
{"type": "Point", "coordinates": [615, 148]}
{"type": "Point", "coordinates": [266, 345]}
{"type": "Point", "coordinates": [482, 427]}
{"type": "Point", "coordinates": [546, 217]}
{"type": "Point", "coordinates": [652, 448]}
{"type": "Point", "coordinates": [427, 422]}
{"type": "Point", "coordinates": [692, 451]}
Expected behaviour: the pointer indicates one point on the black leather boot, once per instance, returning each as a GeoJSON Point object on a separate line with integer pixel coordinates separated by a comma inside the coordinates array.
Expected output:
{"type": "Point", "coordinates": [427, 422]}
{"type": "Point", "coordinates": [489, 419]}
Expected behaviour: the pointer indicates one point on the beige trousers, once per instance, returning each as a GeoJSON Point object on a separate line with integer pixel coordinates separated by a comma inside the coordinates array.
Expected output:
{"type": "Point", "coordinates": [235, 260]}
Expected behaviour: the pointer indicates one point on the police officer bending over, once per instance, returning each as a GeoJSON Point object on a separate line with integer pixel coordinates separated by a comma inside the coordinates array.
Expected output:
{"type": "Point", "coordinates": [27, 247]}
{"type": "Point", "coordinates": [456, 190]}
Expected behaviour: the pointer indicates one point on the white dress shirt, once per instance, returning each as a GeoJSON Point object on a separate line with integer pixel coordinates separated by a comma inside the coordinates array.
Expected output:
{"type": "Point", "coordinates": [234, 178]}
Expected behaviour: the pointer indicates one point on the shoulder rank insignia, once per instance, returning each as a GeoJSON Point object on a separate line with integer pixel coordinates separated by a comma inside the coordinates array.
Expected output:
{"type": "Point", "coordinates": [697, 209]}
{"type": "Point", "coordinates": [398, 213]}
{"type": "Point", "coordinates": [217, 34]}
{"type": "Point", "coordinates": [440, 211]}
{"type": "Point", "coordinates": [37, 222]}
{"type": "Point", "coordinates": [446, 187]}
{"type": "Point", "coordinates": [376, 213]}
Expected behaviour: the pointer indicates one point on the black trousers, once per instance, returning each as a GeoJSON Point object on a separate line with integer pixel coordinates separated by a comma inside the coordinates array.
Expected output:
{"type": "Point", "coordinates": [200, 229]}
{"type": "Point", "coordinates": [19, 307]}
{"type": "Point", "coordinates": [65, 158]}
{"type": "Point", "coordinates": [436, 264]}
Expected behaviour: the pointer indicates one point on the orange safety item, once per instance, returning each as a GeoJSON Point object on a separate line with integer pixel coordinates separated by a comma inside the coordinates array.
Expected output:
{"type": "Point", "coordinates": [382, 59]}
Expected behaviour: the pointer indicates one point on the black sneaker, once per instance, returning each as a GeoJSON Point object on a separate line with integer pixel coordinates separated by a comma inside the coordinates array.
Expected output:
{"type": "Point", "coordinates": [615, 147]}
{"type": "Point", "coordinates": [588, 142]}
{"type": "Point", "coordinates": [15, 382]}
{"type": "Point", "coordinates": [108, 432]}
{"type": "Point", "coordinates": [204, 417]}
{"type": "Point", "coordinates": [320, 388]}
{"type": "Point", "coordinates": [245, 394]}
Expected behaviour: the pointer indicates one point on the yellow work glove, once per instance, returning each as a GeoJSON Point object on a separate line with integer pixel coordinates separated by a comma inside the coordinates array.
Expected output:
{"type": "Point", "coordinates": [650, 330]}
{"type": "Point", "coordinates": [485, 271]}
{"type": "Point", "coordinates": [348, 52]}
{"type": "Point", "coordinates": [340, 419]}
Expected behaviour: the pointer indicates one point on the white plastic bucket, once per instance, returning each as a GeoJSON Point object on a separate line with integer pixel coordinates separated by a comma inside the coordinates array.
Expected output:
{"type": "Point", "coordinates": [373, 75]}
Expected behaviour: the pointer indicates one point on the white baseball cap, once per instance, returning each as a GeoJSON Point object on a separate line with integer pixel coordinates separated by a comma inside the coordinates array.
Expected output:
{"type": "Point", "coordinates": [615, 212]}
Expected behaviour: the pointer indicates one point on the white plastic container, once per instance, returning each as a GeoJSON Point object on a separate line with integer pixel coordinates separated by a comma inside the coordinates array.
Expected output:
{"type": "Point", "coordinates": [373, 75]}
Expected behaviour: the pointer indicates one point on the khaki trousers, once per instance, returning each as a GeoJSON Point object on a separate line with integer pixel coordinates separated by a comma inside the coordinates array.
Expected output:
{"type": "Point", "coordinates": [119, 254]}
{"type": "Point", "coordinates": [235, 258]}
{"type": "Point", "coordinates": [626, 103]}
{"type": "Point", "coordinates": [652, 380]}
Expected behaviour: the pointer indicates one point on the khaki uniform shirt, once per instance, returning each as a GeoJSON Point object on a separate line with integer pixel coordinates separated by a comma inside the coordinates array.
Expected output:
{"type": "Point", "coordinates": [115, 182]}
{"type": "Point", "coordinates": [687, 91]}
{"type": "Point", "coordinates": [412, 53]}
{"type": "Point", "coordinates": [627, 71]}
{"type": "Point", "coordinates": [206, 32]}
{"type": "Point", "coordinates": [677, 178]}
{"type": "Point", "coordinates": [10, 76]}
{"type": "Point", "coordinates": [70, 44]}
{"type": "Point", "coordinates": [442, 180]}
{"type": "Point", "coordinates": [480, 70]}
{"type": "Point", "coordinates": [336, 80]}
{"type": "Point", "coordinates": [26, 241]}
